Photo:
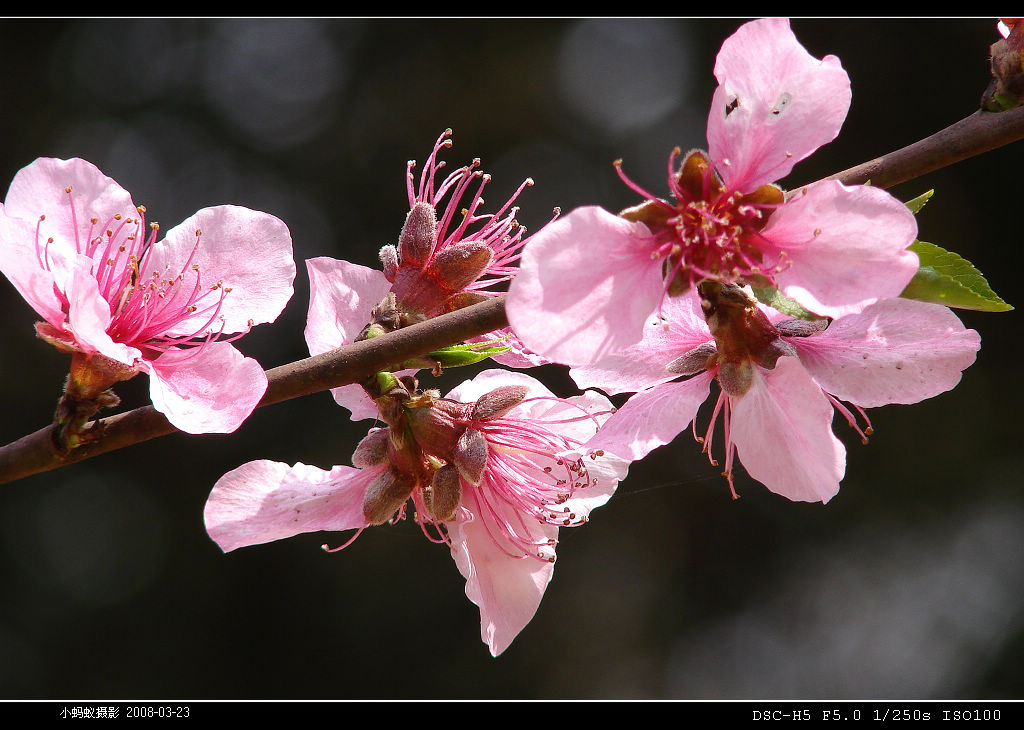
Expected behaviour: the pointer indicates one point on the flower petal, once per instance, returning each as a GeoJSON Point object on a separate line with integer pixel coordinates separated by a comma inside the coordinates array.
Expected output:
{"type": "Point", "coordinates": [21, 264]}
{"type": "Point", "coordinates": [774, 106]}
{"type": "Point", "coordinates": [247, 251]}
{"type": "Point", "coordinates": [895, 351]}
{"type": "Point", "coordinates": [586, 285]}
{"type": "Point", "coordinates": [677, 329]}
{"type": "Point", "coordinates": [507, 589]}
{"type": "Point", "coordinates": [782, 430]}
{"type": "Point", "coordinates": [41, 189]}
{"type": "Point", "coordinates": [206, 390]}
{"type": "Point", "coordinates": [470, 391]}
{"type": "Point", "coordinates": [341, 297]}
{"type": "Point", "coordinates": [89, 315]}
{"type": "Point", "coordinates": [266, 500]}
{"type": "Point", "coordinates": [847, 246]}
{"type": "Point", "coordinates": [652, 418]}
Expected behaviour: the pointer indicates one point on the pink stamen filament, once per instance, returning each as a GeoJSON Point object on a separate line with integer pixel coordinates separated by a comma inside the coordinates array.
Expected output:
{"type": "Point", "coordinates": [714, 236]}
{"type": "Point", "coordinates": [142, 310]}
{"type": "Point", "coordinates": [850, 419]}
{"type": "Point", "coordinates": [345, 544]}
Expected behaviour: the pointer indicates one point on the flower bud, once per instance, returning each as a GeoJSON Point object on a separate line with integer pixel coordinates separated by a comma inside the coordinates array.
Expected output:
{"type": "Point", "coordinates": [470, 455]}
{"type": "Point", "coordinates": [372, 450]}
{"type": "Point", "coordinates": [694, 361]}
{"type": "Point", "coordinates": [389, 262]}
{"type": "Point", "coordinates": [416, 242]}
{"type": "Point", "coordinates": [498, 402]}
{"type": "Point", "coordinates": [460, 264]}
{"type": "Point", "coordinates": [463, 299]}
{"type": "Point", "coordinates": [801, 327]}
{"type": "Point", "coordinates": [385, 495]}
{"type": "Point", "coordinates": [445, 493]}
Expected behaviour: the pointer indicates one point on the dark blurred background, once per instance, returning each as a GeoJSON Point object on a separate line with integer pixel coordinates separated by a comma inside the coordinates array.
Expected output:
{"type": "Point", "coordinates": [908, 584]}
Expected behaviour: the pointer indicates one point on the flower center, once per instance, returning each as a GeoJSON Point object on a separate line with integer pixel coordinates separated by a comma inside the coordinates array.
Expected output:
{"type": "Point", "coordinates": [527, 477]}
{"type": "Point", "coordinates": [513, 473]}
{"type": "Point", "coordinates": [145, 307]}
{"type": "Point", "coordinates": [710, 232]}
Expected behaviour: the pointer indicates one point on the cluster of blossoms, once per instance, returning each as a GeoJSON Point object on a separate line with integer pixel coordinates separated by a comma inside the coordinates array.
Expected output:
{"type": "Point", "coordinates": [492, 470]}
{"type": "Point", "coordinates": [657, 300]}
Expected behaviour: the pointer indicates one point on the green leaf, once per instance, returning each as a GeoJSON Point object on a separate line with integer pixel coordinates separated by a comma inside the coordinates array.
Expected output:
{"type": "Point", "coordinates": [947, 278]}
{"type": "Point", "coordinates": [775, 299]}
{"type": "Point", "coordinates": [917, 203]}
{"type": "Point", "coordinates": [455, 356]}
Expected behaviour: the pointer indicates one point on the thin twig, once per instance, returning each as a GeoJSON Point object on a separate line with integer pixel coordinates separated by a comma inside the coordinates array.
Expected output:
{"type": "Point", "coordinates": [978, 133]}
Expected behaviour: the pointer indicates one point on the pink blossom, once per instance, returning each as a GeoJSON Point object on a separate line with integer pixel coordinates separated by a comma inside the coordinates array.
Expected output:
{"type": "Point", "coordinates": [780, 381]}
{"type": "Point", "coordinates": [449, 254]}
{"type": "Point", "coordinates": [589, 280]}
{"type": "Point", "coordinates": [492, 471]}
{"type": "Point", "coordinates": [79, 251]}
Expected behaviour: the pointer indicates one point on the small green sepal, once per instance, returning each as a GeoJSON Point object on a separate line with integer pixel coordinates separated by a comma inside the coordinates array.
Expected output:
{"type": "Point", "coordinates": [917, 203]}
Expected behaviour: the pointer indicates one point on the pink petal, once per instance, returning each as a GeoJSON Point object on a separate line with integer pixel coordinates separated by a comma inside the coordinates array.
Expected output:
{"type": "Point", "coordinates": [782, 429]}
{"type": "Point", "coordinates": [266, 500]}
{"type": "Point", "coordinates": [679, 328]}
{"type": "Point", "coordinates": [787, 104]}
{"type": "Point", "coordinates": [847, 246]}
{"type": "Point", "coordinates": [470, 391]}
{"type": "Point", "coordinates": [89, 315]}
{"type": "Point", "coordinates": [341, 297]}
{"type": "Point", "coordinates": [507, 589]}
{"type": "Point", "coordinates": [352, 397]}
{"type": "Point", "coordinates": [605, 474]}
{"type": "Point", "coordinates": [208, 390]}
{"type": "Point", "coordinates": [20, 263]}
{"type": "Point", "coordinates": [586, 285]}
{"type": "Point", "coordinates": [249, 252]}
{"type": "Point", "coordinates": [40, 189]}
{"type": "Point", "coordinates": [652, 418]}
{"type": "Point", "coordinates": [895, 351]}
